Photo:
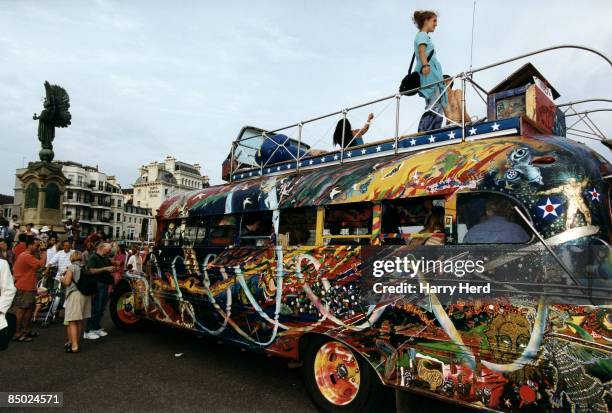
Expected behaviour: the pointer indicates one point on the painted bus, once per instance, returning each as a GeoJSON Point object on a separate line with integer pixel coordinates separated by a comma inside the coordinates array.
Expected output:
{"type": "Point", "coordinates": [273, 260]}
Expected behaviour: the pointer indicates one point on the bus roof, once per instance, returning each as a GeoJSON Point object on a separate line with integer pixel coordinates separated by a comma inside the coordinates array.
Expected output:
{"type": "Point", "coordinates": [508, 163]}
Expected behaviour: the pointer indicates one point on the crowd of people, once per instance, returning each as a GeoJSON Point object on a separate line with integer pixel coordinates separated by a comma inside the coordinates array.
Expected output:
{"type": "Point", "coordinates": [33, 262]}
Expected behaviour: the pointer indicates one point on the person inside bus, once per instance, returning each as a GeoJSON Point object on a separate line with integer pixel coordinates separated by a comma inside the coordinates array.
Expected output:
{"type": "Point", "coordinates": [434, 224]}
{"type": "Point", "coordinates": [455, 96]}
{"type": "Point", "coordinates": [352, 137]}
{"type": "Point", "coordinates": [430, 71]}
{"type": "Point", "coordinates": [252, 228]}
{"type": "Point", "coordinates": [496, 226]}
{"type": "Point", "coordinates": [391, 223]}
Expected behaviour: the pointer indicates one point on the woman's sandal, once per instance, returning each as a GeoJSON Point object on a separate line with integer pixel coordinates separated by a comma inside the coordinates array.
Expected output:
{"type": "Point", "coordinates": [22, 339]}
{"type": "Point", "coordinates": [32, 334]}
{"type": "Point", "coordinates": [70, 350]}
{"type": "Point", "coordinates": [66, 345]}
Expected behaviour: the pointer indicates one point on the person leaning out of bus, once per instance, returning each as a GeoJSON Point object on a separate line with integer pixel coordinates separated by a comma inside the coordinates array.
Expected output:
{"type": "Point", "coordinates": [430, 71]}
{"type": "Point", "coordinates": [77, 307]}
{"type": "Point", "coordinates": [346, 137]}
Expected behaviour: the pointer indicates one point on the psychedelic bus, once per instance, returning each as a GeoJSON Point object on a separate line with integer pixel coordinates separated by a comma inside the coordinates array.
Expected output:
{"type": "Point", "coordinates": [276, 260]}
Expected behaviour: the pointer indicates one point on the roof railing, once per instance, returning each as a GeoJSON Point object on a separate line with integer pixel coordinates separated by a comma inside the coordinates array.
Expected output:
{"type": "Point", "coordinates": [466, 77]}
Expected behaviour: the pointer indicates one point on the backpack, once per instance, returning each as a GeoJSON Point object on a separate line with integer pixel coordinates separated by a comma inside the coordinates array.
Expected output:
{"type": "Point", "coordinates": [87, 283]}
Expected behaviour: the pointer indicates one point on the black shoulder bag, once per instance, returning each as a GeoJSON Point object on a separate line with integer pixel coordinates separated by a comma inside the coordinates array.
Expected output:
{"type": "Point", "coordinates": [86, 283]}
{"type": "Point", "coordinates": [412, 80]}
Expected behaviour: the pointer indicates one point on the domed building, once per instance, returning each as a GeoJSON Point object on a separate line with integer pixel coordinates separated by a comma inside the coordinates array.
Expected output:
{"type": "Point", "coordinates": [160, 180]}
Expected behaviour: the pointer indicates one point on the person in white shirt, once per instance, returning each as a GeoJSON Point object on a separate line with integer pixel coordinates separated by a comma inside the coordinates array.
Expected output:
{"type": "Point", "coordinates": [7, 292]}
{"type": "Point", "coordinates": [61, 259]}
{"type": "Point", "coordinates": [14, 221]}
{"type": "Point", "coordinates": [51, 249]}
{"type": "Point", "coordinates": [135, 261]}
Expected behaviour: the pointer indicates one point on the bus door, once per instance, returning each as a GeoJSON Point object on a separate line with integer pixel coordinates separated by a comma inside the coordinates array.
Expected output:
{"type": "Point", "coordinates": [212, 299]}
{"type": "Point", "coordinates": [252, 268]}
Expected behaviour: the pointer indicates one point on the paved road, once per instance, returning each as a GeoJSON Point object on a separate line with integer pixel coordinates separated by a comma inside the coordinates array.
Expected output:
{"type": "Point", "coordinates": [134, 372]}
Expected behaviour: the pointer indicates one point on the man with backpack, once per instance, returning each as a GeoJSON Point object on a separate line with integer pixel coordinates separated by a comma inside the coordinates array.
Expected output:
{"type": "Point", "coordinates": [99, 267]}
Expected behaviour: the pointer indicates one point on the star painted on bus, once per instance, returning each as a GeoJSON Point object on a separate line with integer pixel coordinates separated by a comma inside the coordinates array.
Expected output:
{"type": "Point", "coordinates": [549, 208]}
{"type": "Point", "coordinates": [594, 195]}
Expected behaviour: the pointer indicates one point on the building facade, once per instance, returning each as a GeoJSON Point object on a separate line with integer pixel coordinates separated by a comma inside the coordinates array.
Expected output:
{"type": "Point", "coordinates": [7, 204]}
{"type": "Point", "coordinates": [161, 180]}
{"type": "Point", "coordinates": [88, 197]}
{"type": "Point", "coordinates": [136, 224]}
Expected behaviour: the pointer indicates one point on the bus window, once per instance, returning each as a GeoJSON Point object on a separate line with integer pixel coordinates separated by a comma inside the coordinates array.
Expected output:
{"type": "Point", "coordinates": [256, 228]}
{"type": "Point", "coordinates": [489, 218]}
{"type": "Point", "coordinates": [349, 224]}
{"type": "Point", "coordinates": [201, 225]}
{"type": "Point", "coordinates": [420, 221]}
{"type": "Point", "coordinates": [193, 232]}
{"type": "Point", "coordinates": [299, 224]}
{"type": "Point", "coordinates": [222, 230]}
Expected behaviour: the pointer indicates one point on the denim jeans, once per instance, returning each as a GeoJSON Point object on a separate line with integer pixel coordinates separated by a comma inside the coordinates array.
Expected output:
{"type": "Point", "coordinates": [98, 303]}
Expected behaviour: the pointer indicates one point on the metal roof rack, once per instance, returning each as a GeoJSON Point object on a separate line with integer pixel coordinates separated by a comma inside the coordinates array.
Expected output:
{"type": "Point", "coordinates": [457, 132]}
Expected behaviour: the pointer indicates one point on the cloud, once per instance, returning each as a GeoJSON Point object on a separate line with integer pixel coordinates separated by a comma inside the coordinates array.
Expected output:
{"type": "Point", "coordinates": [150, 78]}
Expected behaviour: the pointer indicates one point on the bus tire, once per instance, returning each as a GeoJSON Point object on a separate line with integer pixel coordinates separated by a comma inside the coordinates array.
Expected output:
{"type": "Point", "coordinates": [122, 308]}
{"type": "Point", "coordinates": [340, 380]}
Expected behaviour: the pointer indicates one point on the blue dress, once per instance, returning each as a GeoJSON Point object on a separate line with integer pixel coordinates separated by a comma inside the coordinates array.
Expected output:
{"type": "Point", "coordinates": [435, 74]}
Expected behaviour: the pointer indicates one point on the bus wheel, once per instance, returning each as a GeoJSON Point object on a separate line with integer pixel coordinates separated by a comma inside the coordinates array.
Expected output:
{"type": "Point", "coordinates": [122, 308]}
{"type": "Point", "coordinates": [339, 380]}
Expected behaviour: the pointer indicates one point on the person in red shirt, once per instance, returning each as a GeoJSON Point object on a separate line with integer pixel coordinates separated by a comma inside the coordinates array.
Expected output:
{"type": "Point", "coordinates": [24, 273]}
{"type": "Point", "coordinates": [21, 245]}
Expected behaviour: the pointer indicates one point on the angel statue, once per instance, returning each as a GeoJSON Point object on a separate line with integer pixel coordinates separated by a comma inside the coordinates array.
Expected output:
{"type": "Point", "coordinates": [54, 115]}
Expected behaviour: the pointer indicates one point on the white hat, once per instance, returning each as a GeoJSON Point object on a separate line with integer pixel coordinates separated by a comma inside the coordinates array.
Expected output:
{"type": "Point", "coordinates": [44, 229]}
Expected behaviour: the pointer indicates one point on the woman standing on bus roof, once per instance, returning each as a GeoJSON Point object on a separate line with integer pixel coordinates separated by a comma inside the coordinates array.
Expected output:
{"type": "Point", "coordinates": [352, 137]}
{"type": "Point", "coordinates": [430, 70]}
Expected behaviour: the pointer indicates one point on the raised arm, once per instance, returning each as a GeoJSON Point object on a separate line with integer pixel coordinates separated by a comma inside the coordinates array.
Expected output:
{"type": "Point", "coordinates": [365, 128]}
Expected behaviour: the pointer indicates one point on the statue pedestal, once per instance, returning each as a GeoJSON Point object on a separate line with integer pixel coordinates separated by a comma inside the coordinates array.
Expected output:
{"type": "Point", "coordinates": [43, 186]}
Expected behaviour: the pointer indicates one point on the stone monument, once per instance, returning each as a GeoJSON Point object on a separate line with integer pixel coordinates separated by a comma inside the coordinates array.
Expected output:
{"type": "Point", "coordinates": [43, 182]}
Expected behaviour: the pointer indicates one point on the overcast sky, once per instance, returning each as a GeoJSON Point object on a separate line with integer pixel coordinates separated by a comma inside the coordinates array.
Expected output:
{"type": "Point", "coordinates": [151, 78]}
